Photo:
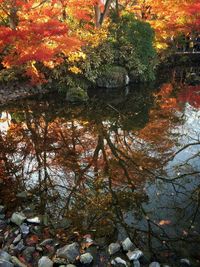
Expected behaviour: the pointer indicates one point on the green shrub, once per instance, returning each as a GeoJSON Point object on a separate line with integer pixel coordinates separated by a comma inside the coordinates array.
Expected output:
{"type": "Point", "coordinates": [134, 40]}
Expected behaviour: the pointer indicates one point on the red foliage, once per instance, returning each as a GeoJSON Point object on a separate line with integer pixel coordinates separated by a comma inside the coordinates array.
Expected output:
{"type": "Point", "coordinates": [191, 95]}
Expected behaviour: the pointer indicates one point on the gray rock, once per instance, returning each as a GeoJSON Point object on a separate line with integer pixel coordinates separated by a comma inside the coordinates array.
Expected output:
{"type": "Point", "coordinates": [17, 239]}
{"type": "Point", "coordinates": [134, 255]}
{"type": "Point", "coordinates": [17, 262]}
{"type": "Point", "coordinates": [70, 265]}
{"type": "Point", "coordinates": [20, 246]}
{"type": "Point", "coordinates": [127, 244]}
{"type": "Point", "coordinates": [118, 260]}
{"type": "Point", "coordinates": [4, 263]}
{"type": "Point", "coordinates": [45, 242]}
{"type": "Point", "coordinates": [35, 220]}
{"type": "Point", "coordinates": [70, 252]}
{"type": "Point", "coordinates": [18, 218]}
{"type": "Point", "coordinates": [25, 229]}
{"type": "Point", "coordinates": [86, 258]}
{"type": "Point", "coordinates": [28, 253]}
{"type": "Point", "coordinates": [3, 224]}
{"type": "Point", "coordinates": [45, 262]}
{"type": "Point", "coordinates": [185, 262]}
{"type": "Point", "coordinates": [5, 256]}
{"type": "Point", "coordinates": [154, 264]}
{"type": "Point", "coordinates": [113, 248]}
{"type": "Point", "coordinates": [136, 263]}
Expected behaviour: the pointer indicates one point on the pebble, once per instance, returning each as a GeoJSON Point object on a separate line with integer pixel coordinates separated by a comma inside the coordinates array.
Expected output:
{"type": "Point", "coordinates": [17, 262]}
{"type": "Point", "coordinates": [134, 255]}
{"type": "Point", "coordinates": [136, 263]}
{"type": "Point", "coordinates": [3, 224]}
{"type": "Point", "coordinates": [118, 260]}
{"type": "Point", "coordinates": [17, 239]}
{"type": "Point", "coordinates": [113, 248]}
{"type": "Point", "coordinates": [154, 264]}
{"type": "Point", "coordinates": [127, 244]}
{"type": "Point", "coordinates": [28, 253]}
{"type": "Point", "coordinates": [4, 255]}
{"type": "Point", "coordinates": [4, 263]}
{"type": "Point", "coordinates": [70, 265]}
{"type": "Point", "coordinates": [45, 262]}
{"type": "Point", "coordinates": [86, 258]}
{"type": "Point", "coordinates": [25, 229]}
{"type": "Point", "coordinates": [185, 262]}
{"type": "Point", "coordinates": [18, 218]}
{"type": "Point", "coordinates": [35, 220]}
{"type": "Point", "coordinates": [69, 252]}
{"type": "Point", "coordinates": [38, 248]}
{"type": "Point", "coordinates": [20, 246]}
{"type": "Point", "coordinates": [46, 242]}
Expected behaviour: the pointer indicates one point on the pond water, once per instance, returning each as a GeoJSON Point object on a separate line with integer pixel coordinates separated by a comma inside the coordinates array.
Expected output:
{"type": "Point", "coordinates": [126, 163]}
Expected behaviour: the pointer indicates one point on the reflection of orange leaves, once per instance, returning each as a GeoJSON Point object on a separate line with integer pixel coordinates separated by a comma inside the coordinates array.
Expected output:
{"type": "Point", "coordinates": [163, 97]}
{"type": "Point", "coordinates": [165, 91]}
{"type": "Point", "coordinates": [164, 222]}
{"type": "Point", "coordinates": [169, 103]}
{"type": "Point", "coordinates": [154, 129]}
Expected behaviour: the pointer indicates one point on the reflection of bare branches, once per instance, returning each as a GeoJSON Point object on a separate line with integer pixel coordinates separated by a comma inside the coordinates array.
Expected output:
{"type": "Point", "coordinates": [182, 149]}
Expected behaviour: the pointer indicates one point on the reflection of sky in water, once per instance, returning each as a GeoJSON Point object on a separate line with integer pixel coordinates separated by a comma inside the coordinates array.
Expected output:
{"type": "Point", "coordinates": [188, 133]}
{"type": "Point", "coordinates": [174, 201]}
{"type": "Point", "coordinates": [5, 119]}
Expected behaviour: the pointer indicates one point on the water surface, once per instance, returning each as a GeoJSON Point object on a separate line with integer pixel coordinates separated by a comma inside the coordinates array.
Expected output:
{"type": "Point", "coordinates": [127, 163]}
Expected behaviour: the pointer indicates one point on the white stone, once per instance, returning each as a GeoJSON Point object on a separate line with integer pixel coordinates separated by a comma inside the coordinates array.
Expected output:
{"type": "Point", "coordinates": [17, 239]}
{"type": "Point", "coordinates": [34, 220]}
{"type": "Point", "coordinates": [86, 258]}
{"type": "Point", "coordinates": [118, 260]}
{"type": "Point", "coordinates": [18, 218]}
{"type": "Point", "coordinates": [69, 252]}
{"type": "Point", "coordinates": [127, 80]}
{"type": "Point", "coordinates": [127, 244]}
{"type": "Point", "coordinates": [134, 255]}
{"type": "Point", "coordinates": [113, 248]}
{"type": "Point", "coordinates": [186, 261]}
{"type": "Point", "coordinates": [45, 262]}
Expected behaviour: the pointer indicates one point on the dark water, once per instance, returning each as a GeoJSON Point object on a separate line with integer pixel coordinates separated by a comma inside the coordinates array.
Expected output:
{"type": "Point", "coordinates": [127, 163]}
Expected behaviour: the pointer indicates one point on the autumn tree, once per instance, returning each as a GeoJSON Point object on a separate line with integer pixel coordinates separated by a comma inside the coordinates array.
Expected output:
{"type": "Point", "coordinates": [36, 31]}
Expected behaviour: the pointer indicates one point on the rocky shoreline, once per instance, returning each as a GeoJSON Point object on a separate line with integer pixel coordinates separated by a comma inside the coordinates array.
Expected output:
{"type": "Point", "coordinates": [13, 92]}
{"type": "Point", "coordinates": [25, 241]}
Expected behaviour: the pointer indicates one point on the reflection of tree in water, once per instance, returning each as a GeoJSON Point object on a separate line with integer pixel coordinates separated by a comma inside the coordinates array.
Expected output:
{"type": "Point", "coordinates": [85, 164]}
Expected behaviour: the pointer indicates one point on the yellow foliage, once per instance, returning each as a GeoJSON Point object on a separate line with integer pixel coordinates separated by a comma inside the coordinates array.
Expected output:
{"type": "Point", "coordinates": [75, 70]}
{"type": "Point", "coordinates": [76, 56]}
